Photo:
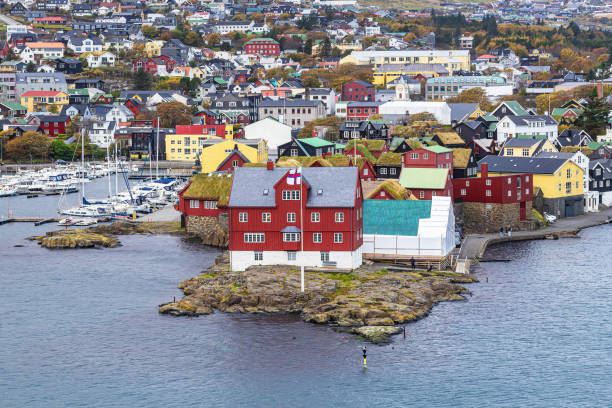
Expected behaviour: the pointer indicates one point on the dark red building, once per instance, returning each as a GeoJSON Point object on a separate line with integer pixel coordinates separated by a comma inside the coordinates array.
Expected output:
{"type": "Point", "coordinates": [279, 216]}
{"type": "Point", "coordinates": [493, 202]}
{"type": "Point", "coordinates": [262, 46]}
{"type": "Point", "coordinates": [361, 91]}
{"type": "Point", "coordinates": [439, 157]}
{"type": "Point", "coordinates": [233, 160]}
{"type": "Point", "coordinates": [54, 125]}
{"type": "Point", "coordinates": [362, 110]}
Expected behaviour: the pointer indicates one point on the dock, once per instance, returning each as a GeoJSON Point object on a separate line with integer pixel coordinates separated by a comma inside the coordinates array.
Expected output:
{"type": "Point", "coordinates": [36, 220]}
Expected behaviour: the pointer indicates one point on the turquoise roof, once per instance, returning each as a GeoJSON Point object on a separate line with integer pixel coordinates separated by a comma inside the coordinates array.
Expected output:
{"type": "Point", "coordinates": [394, 217]}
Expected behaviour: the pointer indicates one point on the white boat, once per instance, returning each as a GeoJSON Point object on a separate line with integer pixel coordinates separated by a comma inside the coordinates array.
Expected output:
{"type": "Point", "coordinates": [7, 191]}
{"type": "Point", "coordinates": [64, 222]}
{"type": "Point", "coordinates": [85, 221]}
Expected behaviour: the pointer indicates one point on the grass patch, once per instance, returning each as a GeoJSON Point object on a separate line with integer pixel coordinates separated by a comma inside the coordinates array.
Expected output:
{"type": "Point", "coordinates": [208, 276]}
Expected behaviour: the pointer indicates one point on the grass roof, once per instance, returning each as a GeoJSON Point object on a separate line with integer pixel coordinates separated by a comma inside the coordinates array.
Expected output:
{"type": "Point", "coordinates": [302, 161]}
{"type": "Point", "coordinates": [363, 150]}
{"type": "Point", "coordinates": [461, 157]}
{"type": "Point", "coordinates": [392, 187]}
{"type": "Point", "coordinates": [254, 165]}
{"type": "Point", "coordinates": [372, 145]}
{"type": "Point", "coordinates": [338, 160]}
{"type": "Point", "coordinates": [573, 149]}
{"type": "Point", "coordinates": [414, 143]}
{"type": "Point", "coordinates": [390, 159]}
{"type": "Point", "coordinates": [207, 186]}
{"type": "Point", "coordinates": [450, 138]}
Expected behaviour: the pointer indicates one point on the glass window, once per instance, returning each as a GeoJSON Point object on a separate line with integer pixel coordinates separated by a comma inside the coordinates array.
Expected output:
{"type": "Point", "coordinates": [291, 255]}
{"type": "Point", "coordinates": [324, 256]}
{"type": "Point", "coordinates": [266, 217]}
{"type": "Point", "coordinates": [317, 237]}
{"type": "Point", "coordinates": [291, 217]}
{"type": "Point", "coordinates": [194, 203]}
{"type": "Point", "coordinates": [339, 217]}
{"type": "Point", "coordinates": [291, 236]}
{"type": "Point", "coordinates": [258, 255]}
{"type": "Point", "coordinates": [315, 217]}
{"type": "Point", "coordinates": [243, 217]}
{"type": "Point", "coordinates": [337, 237]}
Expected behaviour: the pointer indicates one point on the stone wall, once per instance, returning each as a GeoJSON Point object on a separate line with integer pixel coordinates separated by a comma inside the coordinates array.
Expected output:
{"type": "Point", "coordinates": [209, 229]}
{"type": "Point", "coordinates": [482, 217]}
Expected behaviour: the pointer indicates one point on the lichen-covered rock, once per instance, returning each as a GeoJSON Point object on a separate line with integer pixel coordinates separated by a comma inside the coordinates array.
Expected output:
{"type": "Point", "coordinates": [365, 297]}
{"type": "Point", "coordinates": [77, 239]}
{"type": "Point", "coordinates": [376, 334]}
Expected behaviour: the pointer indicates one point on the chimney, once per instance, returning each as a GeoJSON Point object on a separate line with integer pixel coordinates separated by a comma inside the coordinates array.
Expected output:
{"type": "Point", "coordinates": [270, 165]}
{"type": "Point", "coordinates": [484, 170]}
{"type": "Point", "coordinates": [600, 90]}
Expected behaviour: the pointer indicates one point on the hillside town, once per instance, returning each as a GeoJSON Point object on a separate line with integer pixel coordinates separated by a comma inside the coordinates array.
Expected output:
{"type": "Point", "coordinates": [325, 133]}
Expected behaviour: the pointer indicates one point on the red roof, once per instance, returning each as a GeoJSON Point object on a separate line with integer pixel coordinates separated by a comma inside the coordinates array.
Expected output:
{"type": "Point", "coordinates": [49, 19]}
{"type": "Point", "coordinates": [487, 56]}
{"type": "Point", "coordinates": [41, 93]}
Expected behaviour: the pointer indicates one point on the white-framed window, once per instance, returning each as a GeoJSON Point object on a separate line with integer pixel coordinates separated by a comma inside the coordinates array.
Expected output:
{"type": "Point", "coordinates": [324, 256]}
{"type": "Point", "coordinates": [294, 152]}
{"type": "Point", "coordinates": [291, 194]}
{"type": "Point", "coordinates": [421, 194]}
{"type": "Point", "coordinates": [243, 217]}
{"type": "Point", "coordinates": [315, 217]}
{"type": "Point", "coordinates": [383, 170]}
{"type": "Point", "coordinates": [425, 156]}
{"type": "Point", "coordinates": [290, 217]}
{"type": "Point", "coordinates": [365, 172]}
{"type": "Point", "coordinates": [463, 191]}
{"type": "Point", "coordinates": [254, 237]}
{"type": "Point", "coordinates": [414, 156]}
{"type": "Point", "coordinates": [568, 173]}
{"type": "Point", "coordinates": [392, 170]}
{"type": "Point", "coordinates": [488, 183]}
{"type": "Point", "coordinates": [509, 180]}
{"type": "Point", "coordinates": [525, 152]}
{"type": "Point", "coordinates": [337, 237]}
{"type": "Point", "coordinates": [194, 203]}
{"type": "Point", "coordinates": [291, 255]}
{"type": "Point", "coordinates": [266, 217]}
{"type": "Point", "coordinates": [210, 205]}
{"type": "Point", "coordinates": [317, 237]}
{"type": "Point", "coordinates": [509, 193]}
{"type": "Point", "coordinates": [339, 217]}
{"type": "Point", "coordinates": [291, 236]}
{"type": "Point", "coordinates": [258, 255]}
{"type": "Point", "coordinates": [488, 193]}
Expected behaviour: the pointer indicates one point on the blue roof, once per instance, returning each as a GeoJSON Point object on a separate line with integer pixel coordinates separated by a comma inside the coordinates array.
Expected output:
{"type": "Point", "coordinates": [394, 217]}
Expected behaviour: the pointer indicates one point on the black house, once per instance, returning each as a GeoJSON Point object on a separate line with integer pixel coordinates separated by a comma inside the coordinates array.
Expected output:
{"type": "Point", "coordinates": [363, 130]}
{"type": "Point", "coordinates": [18, 10]}
{"type": "Point", "coordinates": [84, 83]}
{"type": "Point", "coordinates": [600, 172]}
{"type": "Point", "coordinates": [464, 165]}
{"type": "Point", "coordinates": [388, 166]}
{"type": "Point", "coordinates": [472, 129]}
{"type": "Point", "coordinates": [303, 147]}
{"type": "Point", "coordinates": [68, 65]}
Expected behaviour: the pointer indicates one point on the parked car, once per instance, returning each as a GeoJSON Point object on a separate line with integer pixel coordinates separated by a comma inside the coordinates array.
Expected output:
{"type": "Point", "coordinates": [550, 218]}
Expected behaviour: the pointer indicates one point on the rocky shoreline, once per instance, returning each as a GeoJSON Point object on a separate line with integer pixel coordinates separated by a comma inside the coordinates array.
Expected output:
{"type": "Point", "coordinates": [103, 235]}
{"type": "Point", "coordinates": [369, 301]}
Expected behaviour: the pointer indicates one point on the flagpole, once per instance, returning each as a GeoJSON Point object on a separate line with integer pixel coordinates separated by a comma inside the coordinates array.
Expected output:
{"type": "Point", "coordinates": [301, 236]}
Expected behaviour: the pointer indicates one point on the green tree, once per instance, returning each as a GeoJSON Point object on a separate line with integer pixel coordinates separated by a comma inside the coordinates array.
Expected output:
{"type": "Point", "coordinates": [311, 81]}
{"type": "Point", "coordinates": [326, 48]}
{"type": "Point", "coordinates": [30, 67]}
{"type": "Point", "coordinates": [193, 39]}
{"type": "Point", "coordinates": [594, 118]}
{"type": "Point", "coordinates": [150, 31]}
{"type": "Point", "coordinates": [61, 151]}
{"type": "Point", "coordinates": [142, 80]}
{"type": "Point", "coordinates": [308, 47]}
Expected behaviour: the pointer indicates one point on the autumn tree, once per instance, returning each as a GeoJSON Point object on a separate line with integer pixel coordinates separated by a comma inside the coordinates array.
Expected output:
{"type": "Point", "coordinates": [472, 95]}
{"type": "Point", "coordinates": [173, 113]}
{"type": "Point", "coordinates": [311, 81]}
{"type": "Point", "coordinates": [213, 39]}
{"type": "Point", "coordinates": [193, 39]}
{"type": "Point", "coordinates": [150, 31]}
{"type": "Point", "coordinates": [29, 146]}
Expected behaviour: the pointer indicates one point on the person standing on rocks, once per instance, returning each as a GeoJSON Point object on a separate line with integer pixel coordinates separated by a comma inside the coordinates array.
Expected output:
{"type": "Point", "coordinates": [412, 263]}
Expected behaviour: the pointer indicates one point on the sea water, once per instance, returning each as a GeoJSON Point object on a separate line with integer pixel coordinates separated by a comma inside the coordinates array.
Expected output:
{"type": "Point", "coordinates": [80, 328]}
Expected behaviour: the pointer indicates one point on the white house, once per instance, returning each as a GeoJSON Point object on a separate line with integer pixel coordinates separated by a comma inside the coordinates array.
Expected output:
{"type": "Point", "coordinates": [99, 59]}
{"type": "Point", "coordinates": [408, 227]}
{"type": "Point", "coordinates": [119, 113]}
{"type": "Point", "coordinates": [326, 95]}
{"type": "Point", "coordinates": [81, 45]}
{"type": "Point", "coordinates": [102, 133]}
{"type": "Point", "coordinates": [272, 131]}
{"type": "Point", "coordinates": [440, 110]}
{"type": "Point", "coordinates": [527, 125]}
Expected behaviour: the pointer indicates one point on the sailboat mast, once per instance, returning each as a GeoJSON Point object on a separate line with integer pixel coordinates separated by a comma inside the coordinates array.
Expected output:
{"type": "Point", "coordinates": [150, 161]}
{"type": "Point", "coordinates": [82, 165]}
{"type": "Point", "coordinates": [108, 166]}
{"type": "Point", "coordinates": [116, 172]}
{"type": "Point", "coordinates": [157, 152]}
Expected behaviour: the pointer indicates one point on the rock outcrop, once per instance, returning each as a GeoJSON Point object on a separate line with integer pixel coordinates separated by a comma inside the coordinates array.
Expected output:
{"type": "Point", "coordinates": [76, 239]}
{"type": "Point", "coordinates": [366, 297]}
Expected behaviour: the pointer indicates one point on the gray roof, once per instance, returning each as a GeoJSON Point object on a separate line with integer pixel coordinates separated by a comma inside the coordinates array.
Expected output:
{"type": "Point", "coordinates": [250, 183]}
{"type": "Point", "coordinates": [460, 110]}
{"type": "Point", "coordinates": [515, 142]}
{"type": "Point", "coordinates": [555, 155]}
{"type": "Point", "coordinates": [289, 103]}
{"type": "Point", "coordinates": [523, 120]}
{"type": "Point", "coordinates": [509, 164]}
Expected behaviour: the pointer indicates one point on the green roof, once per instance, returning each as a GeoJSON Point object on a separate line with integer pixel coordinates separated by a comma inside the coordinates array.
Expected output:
{"type": "Point", "coordinates": [340, 146]}
{"type": "Point", "coordinates": [394, 217]}
{"type": "Point", "coordinates": [427, 178]}
{"type": "Point", "coordinates": [14, 105]}
{"type": "Point", "coordinates": [594, 145]}
{"type": "Point", "coordinates": [395, 142]}
{"type": "Point", "coordinates": [490, 118]}
{"type": "Point", "coordinates": [523, 136]}
{"type": "Point", "coordinates": [270, 40]}
{"type": "Point", "coordinates": [316, 142]}
{"type": "Point", "coordinates": [516, 108]}
{"type": "Point", "coordinates": [438, 149]}
{"type": "Point", "coordinates": [78, 92]}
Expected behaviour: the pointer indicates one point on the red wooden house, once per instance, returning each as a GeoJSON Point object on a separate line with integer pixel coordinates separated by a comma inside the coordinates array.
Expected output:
{"type": "Point", "coordinates": [358, 91]}
{"type": "Point", "coordinates": [427, 182]}
{"type": "Point", "coordinates": [135, 106]}
{"type": "Point", "coordinates": [208, 117]}
{"type": "Point", "coordinates": [281, 216]}
{"type": "Point", "coordinates": [233, 160]}
{"type": "Point", "coordinates": [494, 202]}
{"type": "Point", "coordinates": [204, 196]}
{"type": "Point", "coordinates": [366, 169]}
{"type": "Point", "coordinates": [4, 48]}
{"type": "Point", "coordinates": [54, 125]}
{"type": "Point", "coordinates": [361, 110]}
{"type": "Point", "coordinates": [431, 157]}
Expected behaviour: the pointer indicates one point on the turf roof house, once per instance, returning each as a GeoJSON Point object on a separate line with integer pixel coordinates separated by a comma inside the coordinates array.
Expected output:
{"type": "Point", "coordinates": [448, 139]}
{"type": "Point", "coordinates": [464, 164]}
{"type": "Point", "coordinates": [373, 148]}
{"type": "Point", "coordinates": [387, 190]}
{"type": "Point", "coordinates": [203, 200]}
{"type": "Point", "coordinates": [310, 146]}
{"type": "Point", "coordinates": [388, 166]}
{"type": "Point", "coordinates": [430, 156]}
{"type": "Point", "coordinates": [396, 229]}
{"type": "Point", "coordinates": [271, 217]}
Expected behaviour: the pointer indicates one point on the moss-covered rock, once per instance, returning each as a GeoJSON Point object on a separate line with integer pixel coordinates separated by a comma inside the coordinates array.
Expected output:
{"type": "Point", "coordinates": [77, 239]}
{"type": "Point", "coordinates": [376, 334]}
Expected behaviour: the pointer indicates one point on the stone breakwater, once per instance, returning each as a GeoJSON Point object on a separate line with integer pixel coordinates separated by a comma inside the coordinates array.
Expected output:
{"type": "Point", "coordinates": [369, 301]}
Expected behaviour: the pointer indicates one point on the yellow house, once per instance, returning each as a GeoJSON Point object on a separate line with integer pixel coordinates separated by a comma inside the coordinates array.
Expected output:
{"type": "Point", "coordinates": [386, 73]}
{"type": "Point", "coordinates": [36, 101]}
{"type": "Point", "coordinates": [186, 144]}
{"type": "Point", "coordinates": [518, 147]}
{"type": "Point", "coordinates": [451, 60]}
{"type": "Point", "coordinates": [560, 180]}
{"type": "Point", "coordinates": [153, 48]}
{"type": "Point", "coordinates": [216, 152]}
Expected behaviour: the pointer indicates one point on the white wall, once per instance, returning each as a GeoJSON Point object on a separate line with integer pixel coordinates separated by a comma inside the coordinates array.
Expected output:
{"type": "Point", "coordinates": [240, 260]}
{"type": "Point", "coordinates": [272, 131]}
{"type": "Point", "coordinates": [440, 110]}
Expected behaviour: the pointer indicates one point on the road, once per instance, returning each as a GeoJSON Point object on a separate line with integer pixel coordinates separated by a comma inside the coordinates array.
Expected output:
{"type": "Point", "coordinates": [475, 245]}
{"type": "Point", "coordinates": [8, 21]}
